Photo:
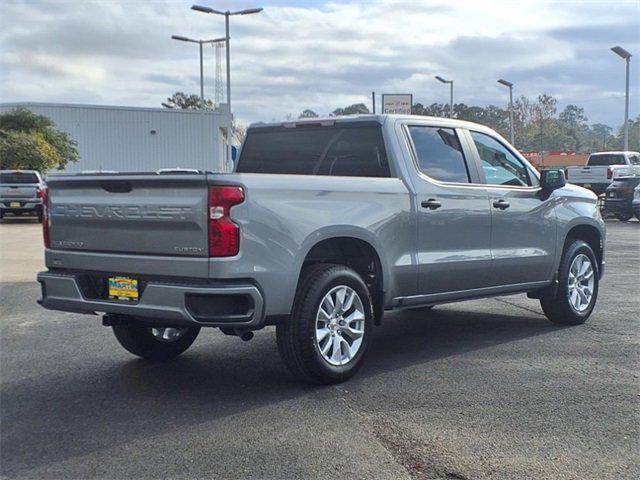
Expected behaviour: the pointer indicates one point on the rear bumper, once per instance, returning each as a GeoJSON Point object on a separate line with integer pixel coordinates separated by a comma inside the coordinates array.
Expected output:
{"type": "Point", "coordinates": [239, 305]}
{"type": "Point", "coordinates": [25, 206]}
{"type": "Point", "coordinates": [613, 206]}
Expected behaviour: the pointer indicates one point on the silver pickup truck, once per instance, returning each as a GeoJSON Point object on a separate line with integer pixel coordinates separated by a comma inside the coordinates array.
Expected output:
{"type": "Point", "coordinates": [324, 225]}
{"type": "Point", "coordinates": [21, 192]}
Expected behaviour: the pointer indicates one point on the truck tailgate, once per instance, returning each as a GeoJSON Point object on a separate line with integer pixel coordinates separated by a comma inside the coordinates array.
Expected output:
{"type": "Point", "coordinates": [18, 191]}
{"type": "Point", "coordinates": [149, 214]}
{"type": "Point", "coordinates": [581, 175]}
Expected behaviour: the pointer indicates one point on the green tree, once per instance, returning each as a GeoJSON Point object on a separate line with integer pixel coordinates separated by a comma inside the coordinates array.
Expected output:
{"type": "Point", "coordinates": [356, 108]}
{"type": "Point", "coordinates": [573, 120]}
{"type": "Point", "coordinates": [599, 136]}
{"type": "Point", "coordinates": [183, 101]}
{"type": "Point", "coordinates": [433, 110]}
{"type": "Point", "coordinates": [634, 135]}
{"type": "Point", "coordinates": [308, 114]}
{"type": "Point", "coordinates": [30, 141]}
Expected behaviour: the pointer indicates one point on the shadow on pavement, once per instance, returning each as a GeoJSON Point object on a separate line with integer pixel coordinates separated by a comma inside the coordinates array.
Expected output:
{"type": "Point", "coordinates": [91, 404]}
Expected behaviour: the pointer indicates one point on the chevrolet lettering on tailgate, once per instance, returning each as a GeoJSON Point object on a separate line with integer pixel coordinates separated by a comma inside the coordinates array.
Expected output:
{"type": "Point", "coordinates": [152, 212]}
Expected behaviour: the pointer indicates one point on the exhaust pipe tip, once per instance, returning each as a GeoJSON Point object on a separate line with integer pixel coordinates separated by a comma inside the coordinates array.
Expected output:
{"type": "Point", "coordinates": [246, 335]}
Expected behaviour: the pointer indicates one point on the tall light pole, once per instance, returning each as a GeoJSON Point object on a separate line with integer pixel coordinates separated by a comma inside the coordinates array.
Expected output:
{"type": "Point", "coordinates": [200, 43]}
{"type": "Point", "coordinates": [621, 52]}
{"type": "Point", "coordinates": [450, 82]}
{"type": "Point", "coordinates": [226, 15]}
{"type": "Point", "coordinates": [510, 85]}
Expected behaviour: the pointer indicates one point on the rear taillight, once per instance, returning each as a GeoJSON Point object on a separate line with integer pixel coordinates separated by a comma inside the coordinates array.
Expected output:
{"type": "Point", "coordinates": [224, 235]}
{"type": "Point", "coordinates": [609, 173]}
{"type": "Point", "coordinates": [43, 193]}
{"type": "Point", "coordinates": [39, 192]}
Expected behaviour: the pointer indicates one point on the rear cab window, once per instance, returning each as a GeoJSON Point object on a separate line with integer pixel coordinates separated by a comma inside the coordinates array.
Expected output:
{"type": "Point", "coordinates": [352, 149]}
{"type": "Point", "coordinates": [19, 178]}
{"type": "Point", "coordinates": [606, 160]}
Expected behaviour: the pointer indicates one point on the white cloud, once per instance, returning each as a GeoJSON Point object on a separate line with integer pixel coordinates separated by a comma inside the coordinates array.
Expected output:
{"type": "Point", "coordinates": [318, 55]}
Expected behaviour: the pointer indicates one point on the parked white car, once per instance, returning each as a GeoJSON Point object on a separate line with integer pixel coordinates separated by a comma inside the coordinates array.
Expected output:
{"type": "Point", "coordinates": [602, 168]}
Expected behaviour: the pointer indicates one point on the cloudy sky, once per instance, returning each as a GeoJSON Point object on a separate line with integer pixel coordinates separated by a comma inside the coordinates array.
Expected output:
{"type": "Point", "coordinates": [322, 55]}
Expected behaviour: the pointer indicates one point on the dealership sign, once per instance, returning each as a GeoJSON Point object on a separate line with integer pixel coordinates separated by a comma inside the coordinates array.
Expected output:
{"type": "Point", "coordinates": [397, 103]}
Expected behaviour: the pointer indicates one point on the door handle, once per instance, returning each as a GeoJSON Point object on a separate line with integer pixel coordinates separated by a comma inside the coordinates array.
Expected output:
{"type": "Point", "coordinates": [431, 204]}
{"type": "Point", "coordinates": [502, 204]}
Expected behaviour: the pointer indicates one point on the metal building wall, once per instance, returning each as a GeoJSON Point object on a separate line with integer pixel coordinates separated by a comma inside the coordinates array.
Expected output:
{"type": "Point", "coordinates": [123, 138]}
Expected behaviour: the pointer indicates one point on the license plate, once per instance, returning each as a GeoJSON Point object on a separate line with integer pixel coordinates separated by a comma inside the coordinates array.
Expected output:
{"type": "Point", "coordinates": [15, 205]}
{"type": "Point", "coordinates": [123, 288]}
{"type": "Point", "coordinates": [612, 194]}
{"type": "Point", "coordinates": [587, 185]}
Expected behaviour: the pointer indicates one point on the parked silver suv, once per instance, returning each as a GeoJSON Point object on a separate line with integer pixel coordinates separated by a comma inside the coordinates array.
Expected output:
{"type": "Point", "coordinates": [325, 224]}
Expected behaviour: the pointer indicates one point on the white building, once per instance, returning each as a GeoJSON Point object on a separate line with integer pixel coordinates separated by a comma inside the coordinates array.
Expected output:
{"type": "Point", "coordinates": [132, 139]}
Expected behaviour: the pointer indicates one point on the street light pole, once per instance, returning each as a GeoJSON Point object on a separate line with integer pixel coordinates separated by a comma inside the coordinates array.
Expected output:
{"type": "Point", "coordinates": [450, 82]}
{"type": "Point", "coordinates": [201, 78]}
{"type": "Point", "coordinates": [200, 43]}
{"type": "Point", "coordinates": [511, 128]}
{"type": "Point", "coordinates": [227, 14]}
{"type": "Point", "coordinates": [621, 52]}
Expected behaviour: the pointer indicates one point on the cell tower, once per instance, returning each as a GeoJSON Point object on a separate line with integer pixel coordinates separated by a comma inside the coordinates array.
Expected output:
{"type": "Point", "coordinates": [218, 78]}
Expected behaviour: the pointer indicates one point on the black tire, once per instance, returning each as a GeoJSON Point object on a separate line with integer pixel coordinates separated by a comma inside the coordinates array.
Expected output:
{"type": "Point", "coordinates": [624, 217]}
{"type": "Point", "coordinates": [557, 307]}
{"type": "Point", "coordinates": [296, 336]}
{"type": "Point", "coordinates": [139, 340]}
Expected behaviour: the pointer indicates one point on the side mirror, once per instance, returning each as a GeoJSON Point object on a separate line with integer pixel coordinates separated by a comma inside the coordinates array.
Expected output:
{"type": "Point", "coordinates": [551, 180]}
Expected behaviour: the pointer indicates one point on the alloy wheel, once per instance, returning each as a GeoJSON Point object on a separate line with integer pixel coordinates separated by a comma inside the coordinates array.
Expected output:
{"type": "Point", "coordinates": [340, 324]}
{"type": "Point", "coordinates": [581, 283]}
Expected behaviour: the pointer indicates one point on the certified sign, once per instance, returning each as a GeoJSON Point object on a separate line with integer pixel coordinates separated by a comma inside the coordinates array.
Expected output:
{"type": "Point", "coordinates": [399, 103]}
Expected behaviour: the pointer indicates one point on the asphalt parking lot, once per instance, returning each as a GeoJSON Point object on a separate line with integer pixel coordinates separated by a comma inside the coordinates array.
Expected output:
{"type": "Point", "coordinates": [481, 389]}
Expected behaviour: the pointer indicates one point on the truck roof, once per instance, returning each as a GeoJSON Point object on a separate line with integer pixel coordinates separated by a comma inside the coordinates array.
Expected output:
{"type": "Point", "coordinates": [616, 152]}
{"type": "Point", "coordinates": [379, 118]}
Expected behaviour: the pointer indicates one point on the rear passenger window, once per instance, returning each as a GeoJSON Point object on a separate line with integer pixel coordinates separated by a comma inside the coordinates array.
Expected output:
{"type": "Point", "coordinates": [353, 150]}
{"type": "Point", "coordinates": [439, 153]}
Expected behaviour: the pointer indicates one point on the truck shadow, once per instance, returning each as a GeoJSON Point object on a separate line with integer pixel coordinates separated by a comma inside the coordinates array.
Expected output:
{"type": "Point", "coordinates": [20, 220]}
{"type": "Point", "coordinates": [90, 404]}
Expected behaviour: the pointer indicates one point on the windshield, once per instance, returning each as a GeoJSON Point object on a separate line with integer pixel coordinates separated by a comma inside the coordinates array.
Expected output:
{"type": "Point", "coordinates": [18, 177]}
{"type": "Point", "coordinates": [605, 160]}
{"type": "Point", "coordinates": [341, 150]}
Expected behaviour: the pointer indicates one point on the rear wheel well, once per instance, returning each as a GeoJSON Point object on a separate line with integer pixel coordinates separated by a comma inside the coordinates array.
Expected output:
{"type": "Point", "coordinates": [358, 255]}
{"type": "Point", "coordinates": [590, 235]}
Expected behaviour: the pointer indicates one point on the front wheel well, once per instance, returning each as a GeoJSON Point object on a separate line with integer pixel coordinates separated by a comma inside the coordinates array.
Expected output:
{"type": "Point", "coordinates": [591, 236]}
{"type": "Point", "coordinates": [358, 255]}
